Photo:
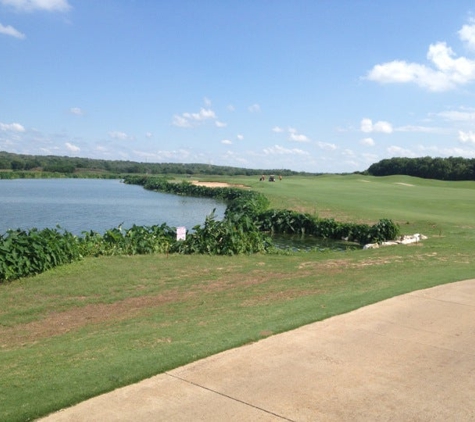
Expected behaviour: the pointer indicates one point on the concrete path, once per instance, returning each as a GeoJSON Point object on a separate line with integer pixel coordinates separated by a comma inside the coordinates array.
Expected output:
{"type": "Point", "coordinates": [410, 358]}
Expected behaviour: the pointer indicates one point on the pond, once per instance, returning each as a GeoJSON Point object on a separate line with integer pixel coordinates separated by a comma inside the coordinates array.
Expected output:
{"type": "Point", "coordinates": [79, 205]}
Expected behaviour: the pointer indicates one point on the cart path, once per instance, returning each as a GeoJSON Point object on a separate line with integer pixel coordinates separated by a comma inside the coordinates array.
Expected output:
{"type": "Point", "coordinates": [409, 358]}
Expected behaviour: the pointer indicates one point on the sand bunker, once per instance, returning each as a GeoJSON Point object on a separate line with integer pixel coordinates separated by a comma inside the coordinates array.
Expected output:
{"type": "Point", "coordinates": [211, 184]}
{"type": "Point", "coordinates": [216, 184]}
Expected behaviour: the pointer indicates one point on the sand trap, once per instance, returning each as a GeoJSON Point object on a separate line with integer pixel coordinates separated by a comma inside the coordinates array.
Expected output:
{"type": "Point", "coordinates": [215, 184]}
{"type": "Point", "coordinates": [210, 184]}
{"type": "Point", "coordinates": [403, 184]}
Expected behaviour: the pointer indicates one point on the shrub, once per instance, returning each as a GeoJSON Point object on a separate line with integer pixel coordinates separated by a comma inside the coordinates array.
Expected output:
{"type": "Point", "coordinates": [236, 234]}
{"type": "Point", "coordinates": [24, 253]}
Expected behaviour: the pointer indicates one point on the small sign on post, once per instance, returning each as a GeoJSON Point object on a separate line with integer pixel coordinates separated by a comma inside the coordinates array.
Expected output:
{"type": "Point", "coordinates": [181, 233]}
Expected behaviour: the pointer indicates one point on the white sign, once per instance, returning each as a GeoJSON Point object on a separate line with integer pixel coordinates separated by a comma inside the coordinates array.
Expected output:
{"type": "Point", "coordinates": [181, 233]}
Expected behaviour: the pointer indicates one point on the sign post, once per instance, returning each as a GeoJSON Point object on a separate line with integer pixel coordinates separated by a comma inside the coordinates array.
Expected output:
{"type": "Point", "coordinates": [181, 233]}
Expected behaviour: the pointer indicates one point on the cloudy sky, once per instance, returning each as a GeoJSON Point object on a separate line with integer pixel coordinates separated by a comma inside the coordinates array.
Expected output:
{"type": "Point", "coordinates": [308, 85]}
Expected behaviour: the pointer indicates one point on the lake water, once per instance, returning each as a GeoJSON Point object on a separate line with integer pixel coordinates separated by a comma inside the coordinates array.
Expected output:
{"type": "Point", "coordinates": [79, 205]}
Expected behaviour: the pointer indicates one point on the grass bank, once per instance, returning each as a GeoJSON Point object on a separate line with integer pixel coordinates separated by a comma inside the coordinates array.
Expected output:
{"type": "Point", "coordinates": [89, 327]}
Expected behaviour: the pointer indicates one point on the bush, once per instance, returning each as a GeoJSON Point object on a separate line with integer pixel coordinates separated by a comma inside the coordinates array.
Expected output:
{"type": "Point", "coordinates": [24, 253]}
{"type": "Point", "coordinates": [236, 234]}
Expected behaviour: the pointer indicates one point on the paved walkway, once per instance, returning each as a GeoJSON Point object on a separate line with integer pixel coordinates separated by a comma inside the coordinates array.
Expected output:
{"type": "Point", "coordinates": [409, 358]}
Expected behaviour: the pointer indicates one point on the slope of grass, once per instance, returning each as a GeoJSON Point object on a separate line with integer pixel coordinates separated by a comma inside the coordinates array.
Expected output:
{"type": "Point", "coordinates": [89, 327]}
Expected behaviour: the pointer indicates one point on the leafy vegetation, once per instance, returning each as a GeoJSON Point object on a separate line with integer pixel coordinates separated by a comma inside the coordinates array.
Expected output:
{"type": "Point", "coordinates": [293, 222]}
{"type": "Point", "coordinates": [244, 230]}
{"type": "Point", "coordinates": [28, 252]}
{"type": "Point", "coordinates": [452, 168]}
{"type": "Point", "coordinates": [253, 205]}
{"type": "Point", "coordinates": [236, 234]}
{"type": "Point", "coordinates": [23, 253]}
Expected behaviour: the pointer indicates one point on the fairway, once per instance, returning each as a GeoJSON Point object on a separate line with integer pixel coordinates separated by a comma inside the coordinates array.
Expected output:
{"type": "Point", "coordinates": [86, 328]}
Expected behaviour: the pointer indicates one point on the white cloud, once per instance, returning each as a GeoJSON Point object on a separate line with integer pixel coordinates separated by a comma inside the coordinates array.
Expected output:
{"type": "Point", "coordinates": [231, 107]}
{"type": "Point", "coordinates": [11, 31]}
{"type": "Point", "coordinates": [220, 124]}
{"type": "Point", "coordinates": [76, 110]}
{"type": "Point", "coordinates": [368, 126]}
{"type": "Point", "coordinates": [458, 116]}
{"type": "Point", "coordinates": [400, 152]}
{"type": "Point", "coordinates": [145, 155]}
{"type": "Point", "coordinates": [327, 146]}
{"type": "Point", "coordinates": [180, 154]}
{"type": "Point", "coordinates": [279, 150]}
{"type": "Point", "coordinates": [295, 137]}
{"type": "Point", "coordinates": [240, 137]}
{"type": "Point", "coordinates": [207, 101]}
{"type": "Point", "coordinates": [255, 108]}
{"type": "Point", "coordinates": [446, 71]}
{"type": "Point", "coordinates": [226, 142]}
{"type": "Point", "coordinates": [420, 129]}
{"type": "Point", "coordinates": [467, 34]}
{"type": "Point", "coordinates": [467, 137]}
{"type": "Point", "coordinates": [180, 121]}
{"type": "Point", "coordinates": [148, 135]}
{"type": "Point", "coordinates": [370, 158]}
{"type": "Point", "coordinates": [348, 152]}
{"type": "Point", "coordinates": [203, 114]}
{"type": "Point", "coordinates": [446, 152]}
{"type": "Point", "coordinates": [11, 127]}
{"type": "Point", "coordinates": [369, 142]}
{"type": "Point", "coordinates": [32, 5]}
{"type": "Point", "coordinates": [121, 136]}
{"type": "Point", "coordinates": [72, 148]}
{"type": "Point", "coordinates": [192, 119]}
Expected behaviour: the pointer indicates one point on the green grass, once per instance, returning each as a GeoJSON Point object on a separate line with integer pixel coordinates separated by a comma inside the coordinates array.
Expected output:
{"type": "Point", "coordinates": [92, 326]}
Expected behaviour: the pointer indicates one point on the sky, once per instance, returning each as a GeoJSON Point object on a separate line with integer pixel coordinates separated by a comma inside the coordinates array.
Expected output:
{"type": "Point", "coordinates": [326, 86]}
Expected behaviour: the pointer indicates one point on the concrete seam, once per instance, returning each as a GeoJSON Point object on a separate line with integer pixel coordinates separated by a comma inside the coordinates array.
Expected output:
{"type": "Point", "coordinates": [229, 397]}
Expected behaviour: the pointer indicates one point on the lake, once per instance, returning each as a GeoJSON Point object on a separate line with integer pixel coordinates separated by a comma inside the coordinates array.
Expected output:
{"type": "Point", "coordinates": [79, 205]}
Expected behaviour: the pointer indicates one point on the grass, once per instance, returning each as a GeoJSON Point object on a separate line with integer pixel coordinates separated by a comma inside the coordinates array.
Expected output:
{"type": "Point", "coordinates": [92, 326]}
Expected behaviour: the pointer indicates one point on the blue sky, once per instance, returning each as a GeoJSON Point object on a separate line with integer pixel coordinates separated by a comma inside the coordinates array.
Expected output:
{"type": "Point", "coordinates": [319, 85]}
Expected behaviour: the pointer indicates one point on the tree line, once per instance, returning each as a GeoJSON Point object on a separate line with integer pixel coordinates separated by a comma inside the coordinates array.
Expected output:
{"type": "Point", "coordinates": [451, 168]}
{"type": "Point", "coordinates": [77, 165]}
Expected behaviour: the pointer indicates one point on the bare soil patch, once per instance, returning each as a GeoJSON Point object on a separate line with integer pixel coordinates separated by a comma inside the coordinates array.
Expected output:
{"type": "Point", "coordinates": [58, 323]}
{"type": "Point", "coordinates": [67, 321]}
{"type": "Point", "coordinates": [216, 184]}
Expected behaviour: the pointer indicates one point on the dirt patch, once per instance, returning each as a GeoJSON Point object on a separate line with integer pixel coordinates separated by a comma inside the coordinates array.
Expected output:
{"type": "Point", "coordinates": [280, 296]}
{"type": "Point", "coordinates": [58, 323]}
{"type": "Point", "coordinates": [216, 184]}
{"type": "Point", "coordinates": [83, 315]}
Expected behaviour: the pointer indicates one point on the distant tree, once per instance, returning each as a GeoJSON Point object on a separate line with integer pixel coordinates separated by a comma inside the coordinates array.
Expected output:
{"type": "Point", "coordinates": [452, 168]}
{"type": "Point", "coordinates": [17, 164]}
